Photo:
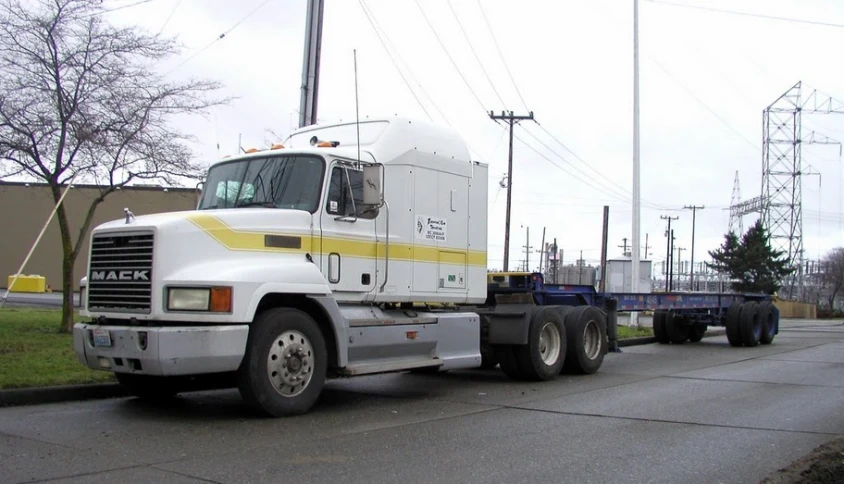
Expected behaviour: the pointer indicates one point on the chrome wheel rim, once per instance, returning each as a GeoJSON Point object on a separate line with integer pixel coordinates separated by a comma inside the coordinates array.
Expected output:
{"type": "Point", "coordinates": [549, 343]}
{"type": "Point", "coordinates": [592, 339]}
{"type": "Point", "coordinates": [290, 364]}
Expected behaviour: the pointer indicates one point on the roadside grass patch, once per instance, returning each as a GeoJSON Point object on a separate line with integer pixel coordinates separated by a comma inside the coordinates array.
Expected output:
{"type": "Point", "coordinates": [33, 353]}
{"type": "Point", "coordinates": [626, 332]}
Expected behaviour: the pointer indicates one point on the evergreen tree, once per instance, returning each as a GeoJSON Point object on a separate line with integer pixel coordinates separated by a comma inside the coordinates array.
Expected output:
{"type": "Point", "coordinates": [751, 262]}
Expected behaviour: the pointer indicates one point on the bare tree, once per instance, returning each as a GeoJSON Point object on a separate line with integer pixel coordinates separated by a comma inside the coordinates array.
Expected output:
{"type": "Point", "coordinates": [832, 274]}
{"type": "Point", "coordinates": [80, 96]}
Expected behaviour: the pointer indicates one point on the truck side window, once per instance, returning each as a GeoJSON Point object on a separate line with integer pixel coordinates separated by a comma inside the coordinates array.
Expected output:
{"type": "Point", "coordinates": [339, 202]}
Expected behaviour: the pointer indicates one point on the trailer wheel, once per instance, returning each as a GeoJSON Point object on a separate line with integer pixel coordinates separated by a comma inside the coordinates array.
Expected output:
{"type": "Point", "coordinates": [148, 387]}
{"type": "Point", "coordinates": [542, 358]}
{"type": "Point", "coordinates": [770, 316]}
{"type": "Point", "coordinates": [696, 333]}
{"type": "Point", "coordinates": [284, 368]}
{"type": "Point", "coordinates": [586, 331]}
{"type": "Point", "coordinates": [676, 328]}
{"type": "Point", "coordinates": [660, 333]}
{"type": "Point", "coordinates": [732, 324]}
{"type": "Point", "coordinates": [751, 325]}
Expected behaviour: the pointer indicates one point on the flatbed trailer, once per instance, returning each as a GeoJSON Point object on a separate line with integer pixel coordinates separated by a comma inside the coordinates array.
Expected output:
{"type": "Point", "coordinates": [749, 319]}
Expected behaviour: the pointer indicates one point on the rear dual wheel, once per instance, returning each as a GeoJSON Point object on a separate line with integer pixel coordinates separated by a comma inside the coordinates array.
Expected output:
{"type": "Point", "coordinates": [542, 358]}
{"type": "Point", "coordinates": [586, 330]}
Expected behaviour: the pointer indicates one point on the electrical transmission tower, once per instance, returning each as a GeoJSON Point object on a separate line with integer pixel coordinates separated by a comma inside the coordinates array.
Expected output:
{"type": "Point", "coordinates": [781, 202]}
{"type": "Point", "coordinates": [736, 225]}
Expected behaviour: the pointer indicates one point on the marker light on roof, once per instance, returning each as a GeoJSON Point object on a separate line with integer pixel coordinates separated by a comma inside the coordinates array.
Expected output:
{"type": "Point", "coordinates": [252, 150]}
{"type": "Point", "coordinates": [277, 146]}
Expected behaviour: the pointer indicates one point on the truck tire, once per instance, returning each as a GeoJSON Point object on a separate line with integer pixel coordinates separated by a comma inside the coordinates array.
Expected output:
{"type": "Point", "coordinates": [509, 363]}
{"type": "Point", "coordinates": [769, 315]}
{"type": "Point", "coordinates": [660, 333]}
{"type": "Point", "coordinates": [148, 387]}
{"type": "Point", "coordinates": [696, 333]}
{"type": "Point", "coordinates": [676, 328]}
{"type": "Point", "coordinates": [586, 332]}
{"type": "Point", "coordinates": [489, 359]}
{"type": "Point", "coordinates": [284, 368]}
{"type": "Point", "coordinates": [543, 357]}
{"type": "Point", "coordinates": [732, 324]}
{"type": "Point", "coordinates": [750, 326]}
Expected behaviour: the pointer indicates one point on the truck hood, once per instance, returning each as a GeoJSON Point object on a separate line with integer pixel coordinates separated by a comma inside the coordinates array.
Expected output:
{"type": "Point", "coordinates": [258, 219]}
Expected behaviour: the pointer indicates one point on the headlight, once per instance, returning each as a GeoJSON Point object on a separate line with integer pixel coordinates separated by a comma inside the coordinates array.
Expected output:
{"type": "Point", "coordinates": [213, 299]}
{"type": "Point", "coordinates": [185, 299]}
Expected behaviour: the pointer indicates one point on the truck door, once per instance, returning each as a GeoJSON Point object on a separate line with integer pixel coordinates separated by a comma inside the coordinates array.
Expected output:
{"type": "Point", "coordinates": [348, 240]}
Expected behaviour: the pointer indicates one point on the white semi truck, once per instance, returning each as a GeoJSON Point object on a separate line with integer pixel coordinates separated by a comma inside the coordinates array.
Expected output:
{"type": "Point", "coordinates": [347, 250]}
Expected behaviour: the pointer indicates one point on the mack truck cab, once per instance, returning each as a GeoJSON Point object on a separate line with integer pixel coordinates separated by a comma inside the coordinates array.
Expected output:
{"type": "Point", "coordinates": [348, 249]}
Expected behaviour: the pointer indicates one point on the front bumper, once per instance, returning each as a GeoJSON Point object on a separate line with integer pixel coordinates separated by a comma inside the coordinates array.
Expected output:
{"type": "Point", "coordinates": [169, 351]}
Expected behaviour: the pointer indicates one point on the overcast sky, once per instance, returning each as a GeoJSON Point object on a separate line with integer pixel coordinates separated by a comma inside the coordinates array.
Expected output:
{"type": "Point", "coordinates": [706, 77]}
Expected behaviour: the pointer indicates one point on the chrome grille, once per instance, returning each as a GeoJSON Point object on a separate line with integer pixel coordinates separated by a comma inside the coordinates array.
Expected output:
{"type": "Point", "coordinates": [120, 275]}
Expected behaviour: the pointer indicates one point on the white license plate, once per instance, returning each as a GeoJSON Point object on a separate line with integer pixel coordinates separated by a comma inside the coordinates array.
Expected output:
{"type": "Point", "coordinates": [102, 337]}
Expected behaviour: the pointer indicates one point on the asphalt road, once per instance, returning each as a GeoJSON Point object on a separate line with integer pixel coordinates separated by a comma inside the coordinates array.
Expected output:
{"type": "Point", "coordinates": [694, 413]}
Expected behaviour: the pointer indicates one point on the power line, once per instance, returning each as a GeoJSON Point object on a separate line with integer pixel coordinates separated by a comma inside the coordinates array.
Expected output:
{"type": "Point", "coordinates": [626, 191]}
{"type": "Point", "coordinates": [135, 4]}
{"type": "Point", "coordinates": [500, 54]}
{"type": "Point", "coordinates": [466, 36]}
{"type": "Point", "coordinates": [219, 37]}
{"type": "Point", "coordinates": [749, 14]}
{"type": "Point", "coordinates": [377, 34]}
{"type": "Point", "coordinates": [170, 16]}
{"type": "Point", "coordinates": [456, 67]}
{"type": "Point", "coordinates": [706, 106]}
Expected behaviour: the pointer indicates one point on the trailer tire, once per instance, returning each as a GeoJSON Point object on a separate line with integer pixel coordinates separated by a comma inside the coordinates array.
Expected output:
{"type": "Point", "coordinates": [149, 387]}
{"type": "Point", "coordinates": [770, 317]}
{"type": "Point", "coordinates": [751, 324]}
{"type": "Point", "coordinates": [586, 332]}
{"type": "Point", "coordinates": [732, 324]}
{"type": "Point", "coordinates": [284, 368]}
{"type": "Point", "coordinates": [676, 328]}
{"type": "Point", "coordinates": [660, 333]}
{"type": "Point", "coordinates": [509, 363]}
{"type": "Point", "coordinates": [696, 333]}
{"type": "Point", "coordinates": [543, 357]}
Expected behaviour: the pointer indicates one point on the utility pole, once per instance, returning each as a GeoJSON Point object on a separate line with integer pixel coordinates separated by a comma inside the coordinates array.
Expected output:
{"type": "Point", "coordinates": [580, 269]}
{"type": "Point", "coordinates": [670, 234]}
{"type": "Point", "coordinates": [511, 120]}
{"type": "Point", "coordinates": [646, 246]}
{"type": "Point", "coordinates": [624, 247]}
{"type": "Point", "coordinates": [310, 64]}
{"type": "Point", "coordinates": [671, 264]}
{"type": "Point", "coordinates": [527, 250]}
{"type": "Point", "coordinates": [694, 210]}
{"type": "Point", "coordinates": [556, 260]}
{"type": "Point", "coordinates": [543, 251]}
{"type": "Point", "coordinates": [603, 285]}
{"type": "Point", "coordinates": [680, 267]}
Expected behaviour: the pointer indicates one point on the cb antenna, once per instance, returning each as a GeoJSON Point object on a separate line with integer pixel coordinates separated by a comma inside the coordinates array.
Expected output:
{"type": "Point", "coordinates": [357, 109]}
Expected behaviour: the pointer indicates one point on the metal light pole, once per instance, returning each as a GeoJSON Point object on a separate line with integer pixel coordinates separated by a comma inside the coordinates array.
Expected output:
{"type": "Point", "coordinates": [634, 316]}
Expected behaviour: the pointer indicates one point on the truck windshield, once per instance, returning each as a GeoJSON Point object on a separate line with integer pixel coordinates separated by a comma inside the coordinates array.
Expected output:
{"type": "Point", "coordinates": [292, 182]}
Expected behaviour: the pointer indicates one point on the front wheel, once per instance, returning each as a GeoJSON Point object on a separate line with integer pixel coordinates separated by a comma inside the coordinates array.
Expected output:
{"type": "Point", "coordinates": [284, 368]}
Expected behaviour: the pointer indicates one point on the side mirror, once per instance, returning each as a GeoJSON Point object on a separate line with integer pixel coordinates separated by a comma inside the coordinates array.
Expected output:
{"type": "Point", "coordinates": [372, 188]}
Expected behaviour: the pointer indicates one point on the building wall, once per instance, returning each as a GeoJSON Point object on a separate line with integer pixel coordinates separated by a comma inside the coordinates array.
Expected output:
{"type": "Point", "coordinates": [25, 207]}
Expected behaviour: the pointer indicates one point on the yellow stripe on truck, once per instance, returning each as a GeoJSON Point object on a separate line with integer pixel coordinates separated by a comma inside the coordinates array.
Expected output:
{"type": "Point", "coordinates": [243, 240]}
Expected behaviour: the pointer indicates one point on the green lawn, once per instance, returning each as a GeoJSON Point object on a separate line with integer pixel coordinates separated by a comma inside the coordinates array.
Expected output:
{"type": "Point", "coordinates": [625, 332]}
{"type": "Point", "coordinates": [34, 353]}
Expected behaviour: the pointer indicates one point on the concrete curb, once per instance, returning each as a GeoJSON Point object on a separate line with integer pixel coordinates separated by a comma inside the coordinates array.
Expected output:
{"type": "Point", "coordinates": [63, 393]}
{"type": "Point", "coordinates": [68, 393]}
